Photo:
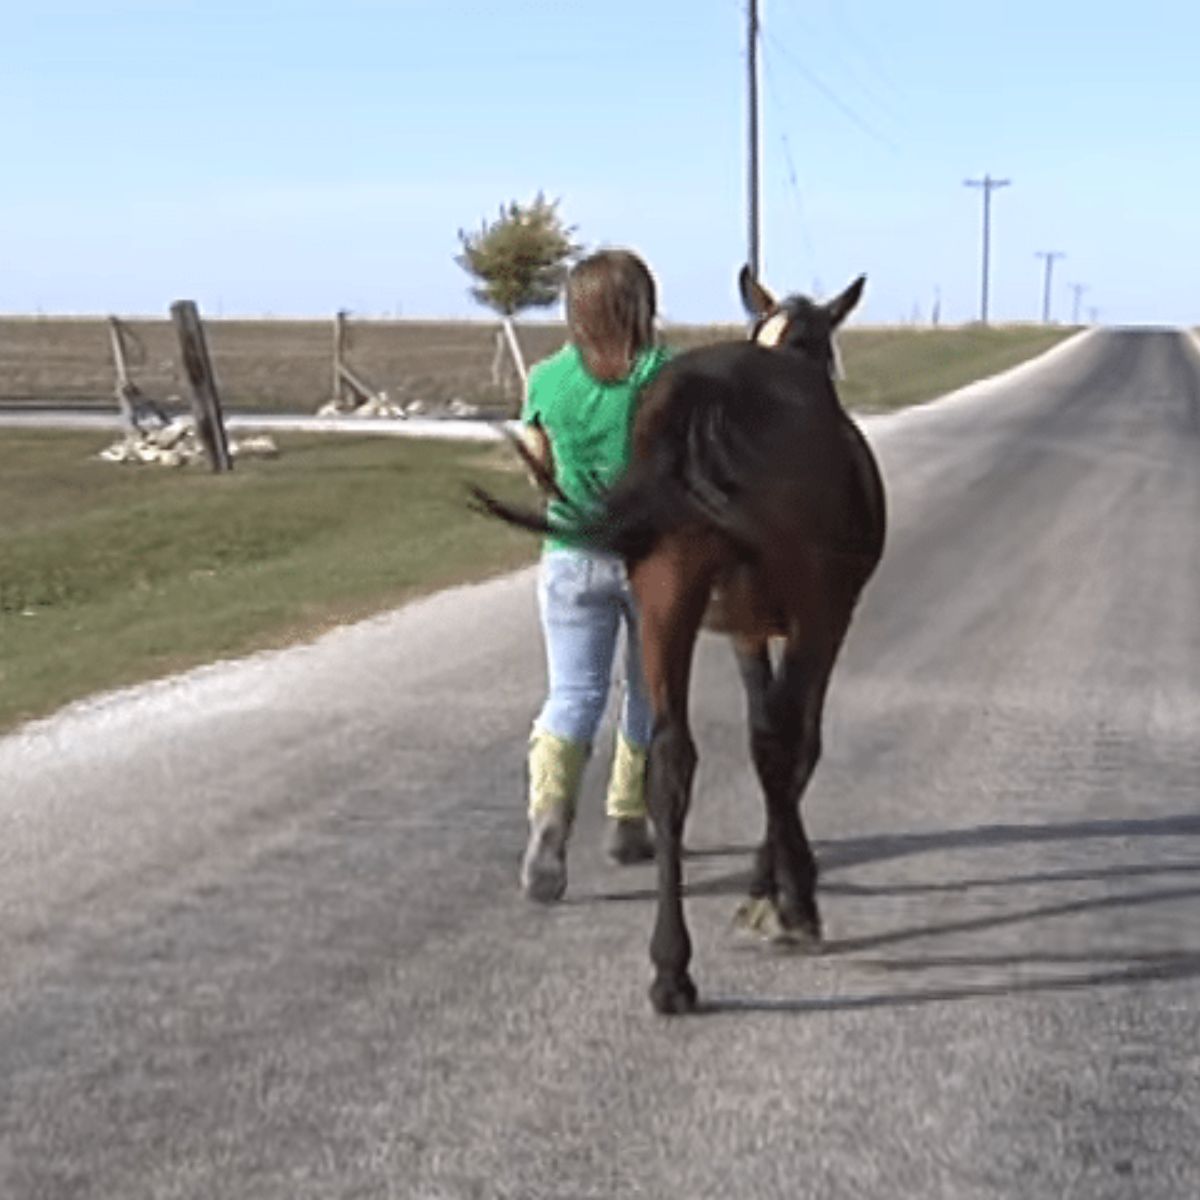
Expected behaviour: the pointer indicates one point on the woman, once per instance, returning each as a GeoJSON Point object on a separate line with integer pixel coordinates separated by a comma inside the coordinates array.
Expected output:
{"type": "Point", "coordinates": [578, 415]}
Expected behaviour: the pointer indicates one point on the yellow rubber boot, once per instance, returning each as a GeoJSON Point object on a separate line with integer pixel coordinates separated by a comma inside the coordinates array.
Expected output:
{"type": "Point", "coordinates": [556, 768]}
{"type": "Point", "coordinates": [628, 838]}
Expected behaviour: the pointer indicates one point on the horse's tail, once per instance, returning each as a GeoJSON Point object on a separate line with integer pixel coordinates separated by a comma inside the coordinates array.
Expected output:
{"type": "Point", "coordinates": [514, 514]}
{"type": "Point", "coordinates": [521, 515]}
{"type": "Point", "coordinates": [626, 521]}
{"type": "Point", "coordinates": [698, 468]}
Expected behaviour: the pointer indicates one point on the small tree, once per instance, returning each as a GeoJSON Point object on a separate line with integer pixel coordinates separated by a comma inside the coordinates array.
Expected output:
{"type": "Point", "coordinates": [520, 260]}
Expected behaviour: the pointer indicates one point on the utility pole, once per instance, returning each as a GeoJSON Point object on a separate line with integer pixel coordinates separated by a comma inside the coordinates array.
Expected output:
{"type": "Point", "coordinates": [1049, 256]}
{"type": "Point", "coordinates": [988, 184]}
{"type": "Point", "coordinates": [1078, 289]}
{"type": "Point", "coordinates": [753, 252]}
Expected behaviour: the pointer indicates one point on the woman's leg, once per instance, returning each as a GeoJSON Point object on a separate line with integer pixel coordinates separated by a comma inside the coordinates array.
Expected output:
{"type": "Point", "coordinates": [580, 620]}
{"type": "Point", "coordinates": [628, 834]}
{"type": "Point", "coordinates": [579, 625]}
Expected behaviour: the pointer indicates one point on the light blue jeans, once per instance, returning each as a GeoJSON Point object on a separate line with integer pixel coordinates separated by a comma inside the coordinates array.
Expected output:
{"type": "Point", "coordinates": [584, 599]}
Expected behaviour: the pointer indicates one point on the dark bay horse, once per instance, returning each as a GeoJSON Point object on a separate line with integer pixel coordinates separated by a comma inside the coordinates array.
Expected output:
{"type": "Point", "coordinates": [753, 506]}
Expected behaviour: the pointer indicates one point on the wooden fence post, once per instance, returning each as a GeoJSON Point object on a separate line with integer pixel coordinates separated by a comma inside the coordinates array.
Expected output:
{"type": "Point", "coordinates": [202, 382]}
{"type": "Point", "coordinates": [125, 390]}
{"type": "Point", "coordinates": [137, 410]}
{"type": "Point", "coordinates": [350, 390]}
{"type": "Point", "coordinates": [339, 353]}
{"type": "Point", "coordinates": [514, 346]}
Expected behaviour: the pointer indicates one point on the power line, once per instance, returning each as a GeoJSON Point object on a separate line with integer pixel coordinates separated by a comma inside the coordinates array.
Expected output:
{"type": "Point", "coordinates": [1049, 256]}
{"type": "Point", "coordinates": [988, 184]}
{"type": "Point", "coordinates": [834, 99]}
{"type": "Point", "coordinates": [790, 164]}
{"type": "Point", "coordinates": [868, 53]}
{"type": "Point", "coordinates": [754, 257]}
{"type": "Point", "coordinates": [1078, 289]}
{"type": "Point", "coordinates": [845, 62]}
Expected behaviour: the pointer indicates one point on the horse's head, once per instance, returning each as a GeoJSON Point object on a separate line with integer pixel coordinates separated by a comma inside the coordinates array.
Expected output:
{"type": "Point", "coordinates": [796, 322]}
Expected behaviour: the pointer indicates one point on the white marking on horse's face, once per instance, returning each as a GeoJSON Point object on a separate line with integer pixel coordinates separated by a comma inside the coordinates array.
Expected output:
{"type": "Point", "coordinates": [772, 330]}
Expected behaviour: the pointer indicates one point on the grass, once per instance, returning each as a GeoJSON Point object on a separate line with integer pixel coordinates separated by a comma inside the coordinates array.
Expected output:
{"type": "Point", "coordinates": [893, 368]}
{"type": "Point", "coordinates": [109, 575]}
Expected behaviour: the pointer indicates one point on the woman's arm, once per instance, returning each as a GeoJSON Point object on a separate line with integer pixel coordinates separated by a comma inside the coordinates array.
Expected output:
{"type": "Point", "coordinates": [535, 439]}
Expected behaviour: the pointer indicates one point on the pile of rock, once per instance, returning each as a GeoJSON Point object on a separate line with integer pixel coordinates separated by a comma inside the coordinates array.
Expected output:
{"type": "Point", "coordinates": [379, 405]}
{"type": "Point", "coordinates": [176, 444]}
{"type": "Point", "coordinates": [382, 406]}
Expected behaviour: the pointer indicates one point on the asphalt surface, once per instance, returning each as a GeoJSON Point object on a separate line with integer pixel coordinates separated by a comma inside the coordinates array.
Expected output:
{"type": "Point", "coordinates": [261, 937]}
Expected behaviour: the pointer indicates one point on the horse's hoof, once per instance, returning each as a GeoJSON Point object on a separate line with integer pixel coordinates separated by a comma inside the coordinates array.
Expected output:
{"type": "Point", "coordinates": [762, 916]}
{"type": "Point", "coordinates": [804, 937]}
{"type": "Point", "coordinates": [673, 997]}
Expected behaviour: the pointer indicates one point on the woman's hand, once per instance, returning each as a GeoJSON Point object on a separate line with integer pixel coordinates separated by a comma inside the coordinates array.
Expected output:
{"type": "Point", "coordinates": [535, 439]}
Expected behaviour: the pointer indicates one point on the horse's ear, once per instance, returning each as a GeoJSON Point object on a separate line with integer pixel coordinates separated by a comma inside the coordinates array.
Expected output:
{"type": "Point", "coordinates": [755, 297]}
{"type": "Point", "coordinates": [840, 307]}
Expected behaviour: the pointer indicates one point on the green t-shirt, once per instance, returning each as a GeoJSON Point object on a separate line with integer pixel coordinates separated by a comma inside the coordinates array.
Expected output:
{"type": "Point", "coordinates": [589, 424]}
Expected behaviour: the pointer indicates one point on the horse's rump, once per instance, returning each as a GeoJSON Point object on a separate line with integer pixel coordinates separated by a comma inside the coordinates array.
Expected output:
{"type": "Point", "coordinates": [750, 443]}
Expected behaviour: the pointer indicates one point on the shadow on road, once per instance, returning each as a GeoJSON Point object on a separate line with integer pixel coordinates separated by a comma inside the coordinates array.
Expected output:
{"type": "Point", "coordinates": [1165, 968]}
{"type": "Point", "coordinates": [1002, 920]}
{"type": "Point", "coordinates": [1130, 966]}
{"type": "Point", "coordinates": [851, 852]}
{"type": "Point", "coordinates": [1078, 875]}
{"type": "Point", "coordinates": [837, 856]}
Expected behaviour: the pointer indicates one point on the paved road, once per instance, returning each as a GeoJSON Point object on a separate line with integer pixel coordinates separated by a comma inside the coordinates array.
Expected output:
{"type": "Point", "coordinates": [261, 937]}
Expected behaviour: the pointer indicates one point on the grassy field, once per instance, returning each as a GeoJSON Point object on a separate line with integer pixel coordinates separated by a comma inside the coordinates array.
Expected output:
{"type": "Point", "coordinates": [111, 575]}
{"type": "Point", "coordinates": [893, 368]}
{"type": "Point", "coordinates": [286, 364]}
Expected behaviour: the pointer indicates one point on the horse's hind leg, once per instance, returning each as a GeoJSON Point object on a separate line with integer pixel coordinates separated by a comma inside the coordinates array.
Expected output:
{"type": "Point", "coordinates": [786, 747]}
{"type": "Point", "coordinates": [672, 589]}
{"type": "Point", "coordinates": [754, 666]}
{"type": "Point", "coordinates": [799, 708]}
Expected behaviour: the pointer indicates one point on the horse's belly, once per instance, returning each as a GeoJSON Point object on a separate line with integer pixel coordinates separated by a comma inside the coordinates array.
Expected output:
{"type": "Point", "coordinates": [741, 603]}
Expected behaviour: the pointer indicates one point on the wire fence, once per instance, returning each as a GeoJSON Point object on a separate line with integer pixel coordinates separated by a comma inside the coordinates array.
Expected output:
{"type": "Point", "coordinates": [280, 364]}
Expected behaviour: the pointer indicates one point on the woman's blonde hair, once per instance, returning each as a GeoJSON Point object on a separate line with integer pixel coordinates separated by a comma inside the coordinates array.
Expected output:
{"type": "Point", "coordinates": [611, 303]}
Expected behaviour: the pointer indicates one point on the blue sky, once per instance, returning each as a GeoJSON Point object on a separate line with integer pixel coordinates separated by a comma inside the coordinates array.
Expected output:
{"type": "Point", "coordinates": [291, 158]}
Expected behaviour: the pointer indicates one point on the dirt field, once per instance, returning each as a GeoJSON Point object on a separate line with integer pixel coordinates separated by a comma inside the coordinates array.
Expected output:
{"type": "Point", "coordinates": [287, 364]}
{"type": "Point", "coordinates": [275, 364]}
